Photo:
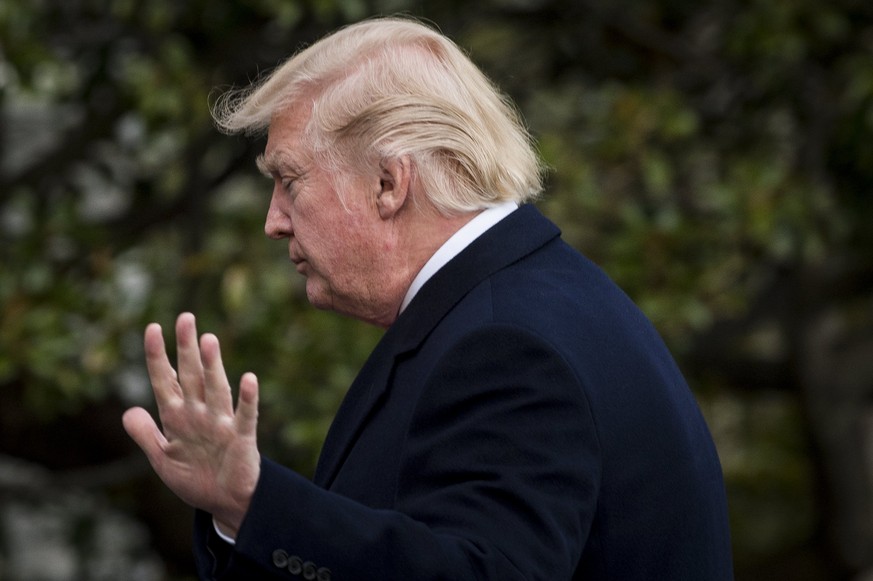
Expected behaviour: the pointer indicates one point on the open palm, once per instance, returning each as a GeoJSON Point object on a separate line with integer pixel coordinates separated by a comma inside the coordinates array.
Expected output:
{"type": "Point", "coordinates": [207, 453]}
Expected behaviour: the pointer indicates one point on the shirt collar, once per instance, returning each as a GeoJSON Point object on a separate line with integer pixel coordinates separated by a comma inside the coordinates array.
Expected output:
{"type": "Point", "coordinates": [455, 244]}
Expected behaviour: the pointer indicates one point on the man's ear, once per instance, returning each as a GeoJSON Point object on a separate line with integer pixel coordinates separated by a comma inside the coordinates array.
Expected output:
{"type": "Point", "coordinates": [394, 186]}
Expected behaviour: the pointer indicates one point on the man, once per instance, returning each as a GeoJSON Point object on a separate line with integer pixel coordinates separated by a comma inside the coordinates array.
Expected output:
{"type": "Point", "coordinates": [520, 418]}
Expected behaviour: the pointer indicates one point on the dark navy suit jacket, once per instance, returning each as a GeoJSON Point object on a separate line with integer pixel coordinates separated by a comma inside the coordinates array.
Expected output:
{"type": "Point", "coordinates": [520, 420]}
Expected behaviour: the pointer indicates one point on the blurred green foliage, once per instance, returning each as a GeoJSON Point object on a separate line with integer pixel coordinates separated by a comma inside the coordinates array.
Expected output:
{"type": "Point", "coordinates": [715, 158]}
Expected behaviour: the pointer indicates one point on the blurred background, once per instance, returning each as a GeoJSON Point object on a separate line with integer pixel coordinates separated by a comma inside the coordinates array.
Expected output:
{"type": "Point", "coordinates": [716, 158]}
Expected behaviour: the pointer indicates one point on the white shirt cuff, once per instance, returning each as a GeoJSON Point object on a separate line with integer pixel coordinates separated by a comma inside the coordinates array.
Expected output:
{"type": "Point", "coordinates": [228, 539]}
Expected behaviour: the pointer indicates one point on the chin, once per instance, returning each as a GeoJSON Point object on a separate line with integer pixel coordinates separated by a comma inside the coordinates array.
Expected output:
{"type": "Point", "coordinates": [319, 295]}
{"type": "Point", "coordinates": [318, 301]}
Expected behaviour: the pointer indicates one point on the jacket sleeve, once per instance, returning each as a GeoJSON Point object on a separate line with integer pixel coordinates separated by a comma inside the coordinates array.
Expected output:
{"type": "Point", "coordinates": [498, 481]}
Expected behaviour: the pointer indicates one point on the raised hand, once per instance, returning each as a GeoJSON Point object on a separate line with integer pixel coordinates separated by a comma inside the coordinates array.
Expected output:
{"type": "Point", "coordinates": [207, 453]}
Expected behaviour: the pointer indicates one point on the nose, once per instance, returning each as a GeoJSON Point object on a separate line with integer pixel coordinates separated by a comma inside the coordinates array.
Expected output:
{"type": "Point", "coordinates": [278, 223]}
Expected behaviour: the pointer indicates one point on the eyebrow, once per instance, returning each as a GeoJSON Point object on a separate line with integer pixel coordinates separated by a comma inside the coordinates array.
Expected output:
{"type": "Point", "coordinates": [276, 162]}
{"type": "Point", "coordinates": [268, 166]}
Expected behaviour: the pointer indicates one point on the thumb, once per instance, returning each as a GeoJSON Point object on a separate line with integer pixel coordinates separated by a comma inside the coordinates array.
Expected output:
{"type": "Point", "coordinates": [141, 427]}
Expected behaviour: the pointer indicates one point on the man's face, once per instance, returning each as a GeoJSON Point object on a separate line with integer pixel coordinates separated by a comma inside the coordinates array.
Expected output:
{"type": "Point", "coordinates": [339, 247]}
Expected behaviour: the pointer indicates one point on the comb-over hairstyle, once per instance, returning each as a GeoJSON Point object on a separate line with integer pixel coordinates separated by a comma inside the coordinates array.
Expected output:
{"type": "Point", "coordinates": [391, 87]}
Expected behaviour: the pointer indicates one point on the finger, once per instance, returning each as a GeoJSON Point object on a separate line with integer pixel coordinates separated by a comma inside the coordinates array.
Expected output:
{"type": "Point", "coordinates": [190, 365]}
{"type": "Point", "coordinates": [247, 406]}
{"type": "Point", "coordinates": [161, 373]}
{"type": "Point", "coordinates": [141, 427]}
{"type": "Point", "coordinates": [217, 389]}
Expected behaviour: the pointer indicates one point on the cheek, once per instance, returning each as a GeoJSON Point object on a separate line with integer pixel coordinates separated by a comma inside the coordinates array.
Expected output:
{"type": "Point", "coordinates": [339, 244]}
{"type": "Point", "coordinates": [330, 250]}
{"type": "Point", "coordinates": [348, 259]}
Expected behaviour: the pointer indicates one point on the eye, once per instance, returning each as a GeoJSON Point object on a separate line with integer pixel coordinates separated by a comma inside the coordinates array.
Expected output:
{"type": "Point", "coordinates": [289, 184]}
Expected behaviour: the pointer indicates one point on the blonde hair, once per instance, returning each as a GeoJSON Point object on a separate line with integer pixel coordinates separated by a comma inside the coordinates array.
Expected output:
{"type": "Point", "coordinates": [391, 87]}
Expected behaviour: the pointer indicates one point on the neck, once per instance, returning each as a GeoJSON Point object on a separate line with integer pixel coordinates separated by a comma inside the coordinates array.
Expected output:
{"type": "Point", "coordinates": [419, 236]}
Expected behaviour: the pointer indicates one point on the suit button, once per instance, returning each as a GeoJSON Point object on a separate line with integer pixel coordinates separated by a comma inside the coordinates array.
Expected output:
{"type": "Point", "coordinates": [323, 574]}
{"type": "Point", "coordinates": [309, 571]}
{"type": "Point", "coordinates": [280, 558]}
{"type": "Point", "coordinates": [295, 565]}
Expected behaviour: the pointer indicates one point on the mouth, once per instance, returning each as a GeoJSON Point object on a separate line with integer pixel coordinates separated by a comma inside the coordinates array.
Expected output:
{"type": "Point", "coordinates": [299, 264]}
{"type": "Point", "coordinates": [297, 258]}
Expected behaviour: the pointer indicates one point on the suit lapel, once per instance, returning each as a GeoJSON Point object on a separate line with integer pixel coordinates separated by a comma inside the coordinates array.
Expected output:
{"type": "Point", "coordinates": [351, 416]}
{"type": "Point", "coordinates": [514, 237]}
